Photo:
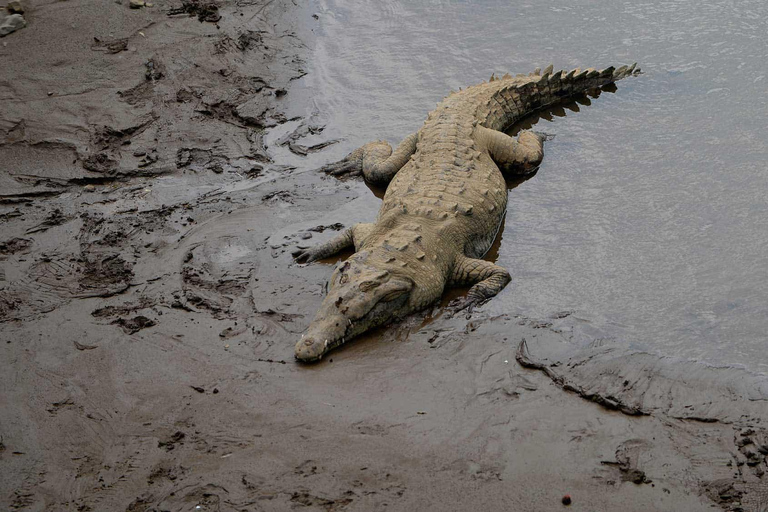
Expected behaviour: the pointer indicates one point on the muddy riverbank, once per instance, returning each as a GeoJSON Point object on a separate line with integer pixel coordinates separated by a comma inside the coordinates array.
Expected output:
{"type": "Point", "coordinates": [149, 307]}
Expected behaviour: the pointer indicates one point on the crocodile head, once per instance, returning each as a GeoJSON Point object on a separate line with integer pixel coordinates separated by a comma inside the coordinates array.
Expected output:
{"type": "Point", "coordinates": [360, 297]}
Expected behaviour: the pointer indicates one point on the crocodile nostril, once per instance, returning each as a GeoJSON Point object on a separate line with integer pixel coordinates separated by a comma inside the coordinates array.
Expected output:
{"type": "Point", "coordinates": [309, 342]}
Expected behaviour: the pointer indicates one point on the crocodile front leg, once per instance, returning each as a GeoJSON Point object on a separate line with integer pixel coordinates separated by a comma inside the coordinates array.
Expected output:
{"type": "Point", "coordinates": [520, 156]}
{"type": "Point", "coordinates": [487, 279]}
{"type": "Point", "coordinates": [351, 237]}
{"type": "Point", "coordinates": [375, 161]}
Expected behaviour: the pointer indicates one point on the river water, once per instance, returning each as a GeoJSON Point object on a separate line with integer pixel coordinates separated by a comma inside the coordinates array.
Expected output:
{"type": "Point", "coordinates": [647, 219]}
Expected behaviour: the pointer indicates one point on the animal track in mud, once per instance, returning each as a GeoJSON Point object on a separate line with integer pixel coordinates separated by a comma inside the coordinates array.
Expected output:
{"type": "Point", "coordinates": [752, 445]}
{"type": "Point", "coordinates": [328, 504]}
{"type": "Point", "coordinates": [171, 441]}
{"type": "Point", "coordinates": [308, 127]}
{"type": "Point", "coordinates": [54, 218]}
{"type": "Point", "coordinates": [199, 160]}
{"type": "Point", "coordinates": [14, 245]}
{"type": "Point", "coordinates": [135, 324]}
{"type": "Point", "coordinates": [306, 468]}
{"type": "Point", "coordinates": [217, 274]}
{"type": "Point", "coordinates": [628, 456]}
{"type": "Point", "coordinates": [164, 471]}
{"type": "Point", "coordinates": [49, 283]}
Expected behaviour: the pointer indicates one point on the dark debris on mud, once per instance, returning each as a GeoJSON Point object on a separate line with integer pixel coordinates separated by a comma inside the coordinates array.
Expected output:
{"type": "Point", "coordinates": [206, 11]}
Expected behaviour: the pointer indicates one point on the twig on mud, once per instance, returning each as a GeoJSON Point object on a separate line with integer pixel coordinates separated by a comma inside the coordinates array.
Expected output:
{"type": "Point", "coordinates": [274, 361]}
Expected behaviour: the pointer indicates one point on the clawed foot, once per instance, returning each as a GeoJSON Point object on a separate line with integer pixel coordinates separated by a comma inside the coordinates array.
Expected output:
{"type": "Point", "coordinates": [305, 255]}
{"type": "Point", "coordinates": [466, 303]}
{"type": "Point", "coordinates": [351, 165]}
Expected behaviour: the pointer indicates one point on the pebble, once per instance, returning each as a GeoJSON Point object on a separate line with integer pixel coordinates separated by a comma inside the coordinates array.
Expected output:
{"type": "Point", "coordinates": [136, 4]}
{"type": "Point", "coordinates": [15, 7]}
{"type": "Point", "coordinates": [12, 23]}
{"type": "Point", "coordinates": [89, 188]}
{"type": "Point", "coordinates": [567, 499]}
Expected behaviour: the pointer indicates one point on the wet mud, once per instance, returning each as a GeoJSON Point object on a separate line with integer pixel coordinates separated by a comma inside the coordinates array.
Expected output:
{"type": "Point", "coordinates": [149, 306]}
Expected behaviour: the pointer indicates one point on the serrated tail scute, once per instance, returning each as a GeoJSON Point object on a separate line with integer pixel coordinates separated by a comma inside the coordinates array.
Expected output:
{"type": "Point", "coordinates": [526, 93]}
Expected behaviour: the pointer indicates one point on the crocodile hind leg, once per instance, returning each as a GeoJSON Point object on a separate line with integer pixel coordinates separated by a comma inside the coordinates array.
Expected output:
{"type": "Point", "coordinates": [351, 237]}
{"type": "Point", "coordinates": [486, 278]}
{"type": "Point", "coordinates": [375, 161]}
{"type": "Point", "coordinates": [514, 156]}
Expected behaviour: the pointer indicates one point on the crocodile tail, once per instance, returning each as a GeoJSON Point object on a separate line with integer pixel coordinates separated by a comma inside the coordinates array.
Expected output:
{"type": "Point", "coordinates": [516, 97]}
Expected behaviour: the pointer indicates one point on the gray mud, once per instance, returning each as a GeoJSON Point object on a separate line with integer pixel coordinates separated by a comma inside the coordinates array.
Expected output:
{"type": "Point", "coordinates": [157, 172]}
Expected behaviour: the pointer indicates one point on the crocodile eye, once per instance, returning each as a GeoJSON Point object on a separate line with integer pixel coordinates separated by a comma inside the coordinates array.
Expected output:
{"type": "Point", "coordinates": [368, 285]}
{"type": "Point", "coordinates": [394, 294]}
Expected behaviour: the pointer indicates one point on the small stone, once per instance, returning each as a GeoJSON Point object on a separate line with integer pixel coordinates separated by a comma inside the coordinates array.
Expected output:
{"type": "Point", "coordinates": [567, 499]}
{"type": "Point", "coordinates": [50, 93]}
{"type": "Point", "coordinates": [89, 188]}
{"type": "Point", "coordinates": [12, 23]}
{"type": "Point", "coordinates": [136, 4]}
{"type": "Point", "coordinates": [15, 7]}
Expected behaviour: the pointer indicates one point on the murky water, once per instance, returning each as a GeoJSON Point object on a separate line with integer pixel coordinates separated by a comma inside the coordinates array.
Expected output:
{"type": "Point", "coordinates": [648, 216]}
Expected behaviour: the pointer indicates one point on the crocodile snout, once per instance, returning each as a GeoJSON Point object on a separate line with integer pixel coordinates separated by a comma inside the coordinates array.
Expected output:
{"type": "Point", "coordinates": [310, 349]}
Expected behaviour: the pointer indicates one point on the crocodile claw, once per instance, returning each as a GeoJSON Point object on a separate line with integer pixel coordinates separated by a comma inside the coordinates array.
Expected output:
{"type": "Point", "coordinates": [304, 255]}
{"type": "Point", "coordinates": [466, 303]}
{"type": "Point", "coordinates": [346, 167]}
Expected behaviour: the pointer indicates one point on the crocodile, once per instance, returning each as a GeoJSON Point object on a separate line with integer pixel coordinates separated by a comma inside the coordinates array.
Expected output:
{"type": "Point", "coordinates": [445, 200]}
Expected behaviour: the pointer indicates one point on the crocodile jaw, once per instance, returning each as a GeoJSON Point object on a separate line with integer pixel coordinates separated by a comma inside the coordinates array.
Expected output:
{"type": "Point", "coordinates": [332, 328]}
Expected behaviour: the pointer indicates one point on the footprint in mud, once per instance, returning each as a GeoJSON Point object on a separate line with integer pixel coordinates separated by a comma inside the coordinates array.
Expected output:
{"type": "Point", "coordinates": [199, 160]}
{"type": "Point", "coordinates": [217, 276]}
{"type": "Point", "coordinates": [174, 439]}
{"type": "Point", "coordinates": [50, 283]}
{"type": "Point", "coordinates": [753, 449]}
{"type": "Point", "coordinates": [14, 245]}
{"type": "Point", "coordinates": [628, 455]}
{"type": "Point", "coordinates": [165, 471]}
{"type": "Point", "coordinates": [135, 324]}
{"type": "Point", "coordinates": [306, 468]}
{"type": "Point", "coordinates": [330, 505]}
